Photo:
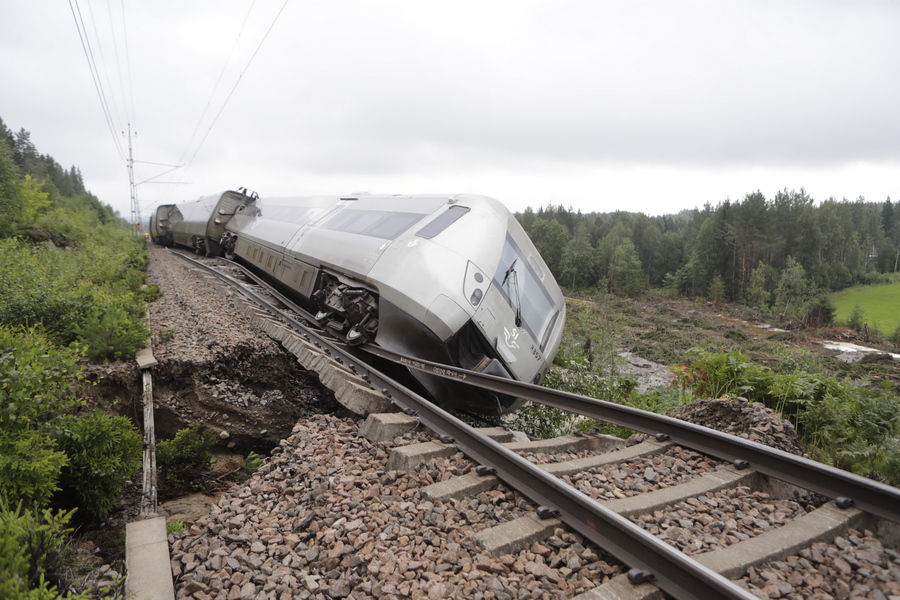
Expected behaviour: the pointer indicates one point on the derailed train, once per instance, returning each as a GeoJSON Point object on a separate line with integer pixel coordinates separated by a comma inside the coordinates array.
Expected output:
{"type": "Point", "coordinates": [450, 279]}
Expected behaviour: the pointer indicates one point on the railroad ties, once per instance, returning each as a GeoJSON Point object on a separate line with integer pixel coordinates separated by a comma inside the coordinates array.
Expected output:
{"type": "Point", "coordinates": [720, 517]}
{"type": "Point", "coordinates": [824, 523]}
{"type": "Point", "coordinates": [350, 390]}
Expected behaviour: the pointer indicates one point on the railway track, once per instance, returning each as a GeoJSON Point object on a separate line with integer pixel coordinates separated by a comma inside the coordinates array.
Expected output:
{"type": "Point", "coordinates": [748, 506]}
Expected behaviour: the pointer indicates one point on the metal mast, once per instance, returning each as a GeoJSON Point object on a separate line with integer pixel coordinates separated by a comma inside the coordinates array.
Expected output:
{"type": "Point", "coordinates": [135, 206]}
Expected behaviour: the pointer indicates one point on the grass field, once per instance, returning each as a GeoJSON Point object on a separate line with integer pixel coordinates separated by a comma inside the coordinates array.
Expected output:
{"type": "Point", "coordinates": [880, 303]}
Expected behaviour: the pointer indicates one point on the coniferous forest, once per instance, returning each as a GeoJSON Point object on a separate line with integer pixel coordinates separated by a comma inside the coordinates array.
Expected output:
{"type": "Point", "coordinates": [783, 254]}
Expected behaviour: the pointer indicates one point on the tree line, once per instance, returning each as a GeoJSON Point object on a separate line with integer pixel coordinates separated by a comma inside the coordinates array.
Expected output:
{"type": "Point", "coordinates": [784, 253]}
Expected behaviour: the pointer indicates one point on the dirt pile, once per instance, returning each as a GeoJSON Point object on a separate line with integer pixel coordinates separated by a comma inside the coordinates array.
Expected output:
{"type": "Point", "coordinates": [744, 419]}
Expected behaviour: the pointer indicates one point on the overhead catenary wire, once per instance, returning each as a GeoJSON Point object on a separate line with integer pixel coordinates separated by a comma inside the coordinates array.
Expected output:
{"type": "Point", "coordinates": [120, 105]}
{"type": "Point", "coordinates": [102, 68]}
{"type": "Point", "coordinates": [237, 82]}
{"type": "Point", "coordinates": [216, 85]}
{"type": "Point", "coordinates": [130, 99]}
{"type": "Point", "coordinates": [95, 75]}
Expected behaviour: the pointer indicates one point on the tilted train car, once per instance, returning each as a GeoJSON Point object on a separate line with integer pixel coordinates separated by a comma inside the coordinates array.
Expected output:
{"type": "Point", "coordinates": [451, 279]}
{"type": "Point", "coordinates": [161, 222]}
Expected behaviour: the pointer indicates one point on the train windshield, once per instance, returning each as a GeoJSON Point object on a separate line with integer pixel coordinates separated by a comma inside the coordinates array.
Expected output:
{"type": "Point", "coordinates": [520, 286]}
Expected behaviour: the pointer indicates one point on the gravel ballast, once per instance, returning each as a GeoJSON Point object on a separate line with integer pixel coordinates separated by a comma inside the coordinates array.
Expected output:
{"type": "Point", "coordinates": [323, 518]}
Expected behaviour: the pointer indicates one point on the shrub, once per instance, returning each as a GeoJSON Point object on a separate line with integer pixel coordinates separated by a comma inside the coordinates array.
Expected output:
{"type": "Point", "coordinates": [895, 337]}
{"type": "Point", "coordinates": [820, 311]}
{"type": "Point", "coordinates": [32, 551]}
{"type": "Point", "coordinates": [174, 526]}
{"type": "Point", "coordinates": [659, 401]}
{"type": "Point", "coordinates": [34, 381]}
{"type": "Point", "coordinates": [103, 452]}
{"type": "Point", "coordinates": [249, 466]}
{"type": "Point", "coordinates": [844, 423]}
{"type": "Point", "coordinates": [857, 318]}
{"type": "Point", "coordinates": [717, 289]}
{"type": "Point", "coordinates": [29, 467]}
{"type": "Point", "coordinates": [166, 335]}
{"type": "Point", "coordinates": [151, 293]}
{"type": "Point", "coordinates": [186, 455]}
{"type": "Point", "coordinates": [111, 333]}
{"type": "Point", "coordinates": [541, 421]}
{"type": "Point", "coordinates": [90, 292]}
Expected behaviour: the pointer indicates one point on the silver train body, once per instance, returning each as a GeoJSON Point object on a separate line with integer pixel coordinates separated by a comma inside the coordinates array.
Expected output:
{"type": "Point", "coordinates": [450, 279]}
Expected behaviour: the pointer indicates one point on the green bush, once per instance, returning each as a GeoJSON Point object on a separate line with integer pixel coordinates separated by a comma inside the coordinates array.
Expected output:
{"type": "Point", "coordinates": [857, 318]}
{"type": "Point", "coordinates": [151, 293]}
{"type": "Point", "coordinates": [103, 452]}
{"type": "Point", "coordinates": [541, 421]}
{"type": "Point", "coordinates": [111, 333]}
{"type": "Point", "coordinates": [166, 335]}
{"type": "Point", "coordinates": [34, 398]}
{"type": "Point", "coordinates": [174, 526]}
{"type": "Point", "coordinates": [29, 467]}
{"type": "Point", "coordinates": [32, 552]}
{"type": "Point", "coordinates": [249, 466]}
{"type": "Point", "coordinates": [87, 293]}
{"type": "Point", "coordinates": [849, 424]}
{"type": "Point", "coordinates": [42, 289]}
{"type": "Point", "coordinates": [186, 455]}
{"type": "Point", "coordinates": [35, 379]}
{"type": "Point", "coordinates": [895, 337]}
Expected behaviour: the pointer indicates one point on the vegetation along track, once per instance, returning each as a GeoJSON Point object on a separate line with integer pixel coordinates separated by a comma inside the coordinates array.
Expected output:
{"type": "Point", "coordinates": [684, 523]}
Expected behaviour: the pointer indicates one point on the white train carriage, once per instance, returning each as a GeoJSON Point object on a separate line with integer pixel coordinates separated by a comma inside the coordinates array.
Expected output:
{"type": "Point", "coordinates": [451, 279]}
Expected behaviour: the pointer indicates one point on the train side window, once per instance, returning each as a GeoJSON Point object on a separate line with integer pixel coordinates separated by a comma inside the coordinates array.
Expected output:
{"type": "Point", "coordinates": [442, 222]}
{"type": "Point", "coordinates": [393, 225]}
{"type": "Point", "coordinates": [373, 223]}
{"type": "Point", "coordinates": [270, 262]}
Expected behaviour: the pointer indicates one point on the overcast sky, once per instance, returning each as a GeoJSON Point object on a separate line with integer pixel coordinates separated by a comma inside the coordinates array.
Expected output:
{"type": "Point", "coordinates": [603, 106]}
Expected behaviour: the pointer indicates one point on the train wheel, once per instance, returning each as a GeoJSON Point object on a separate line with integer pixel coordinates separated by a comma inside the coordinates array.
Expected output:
{"type": "Point", "coordinates": [355, 337]}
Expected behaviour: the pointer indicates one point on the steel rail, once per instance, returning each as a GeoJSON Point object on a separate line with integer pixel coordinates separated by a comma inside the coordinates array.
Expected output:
{"type": "Point", "coordinates": [651, 559]}
{"type": "Point", "coordinates": [846, 488]}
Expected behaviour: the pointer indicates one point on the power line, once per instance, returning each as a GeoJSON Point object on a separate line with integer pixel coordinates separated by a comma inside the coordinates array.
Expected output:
{"type": "Point", "coordinates": [109, 86]}
{"type": "Point", "coordinates": [129, 114]}
{"type": "Point", "coordinates": [212, 94]}
{"type": "Point", "coordinates": [128, 62]}
{"type": "Point", "coordinates": [236, 83]}
{"type": "Point", "coordinates": [95, 75]}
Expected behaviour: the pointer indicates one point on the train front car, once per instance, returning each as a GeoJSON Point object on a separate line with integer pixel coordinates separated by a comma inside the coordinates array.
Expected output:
{"type": "Point", "coordinates": [467, 287]}
{"type": "Point", "coordinates": [453, 280]}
